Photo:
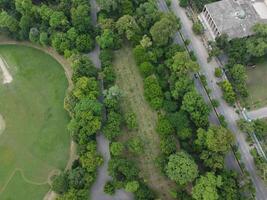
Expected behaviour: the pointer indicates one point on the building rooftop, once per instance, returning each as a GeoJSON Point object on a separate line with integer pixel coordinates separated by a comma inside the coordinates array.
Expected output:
{"type": "Point", "coordinates": [237, 17]}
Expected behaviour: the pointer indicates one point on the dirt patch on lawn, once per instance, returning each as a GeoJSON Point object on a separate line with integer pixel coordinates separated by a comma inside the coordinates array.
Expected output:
{"type": "Point", "coordinates": [2, 124]}
{"type": "Point", "coordinates": [6, 76]}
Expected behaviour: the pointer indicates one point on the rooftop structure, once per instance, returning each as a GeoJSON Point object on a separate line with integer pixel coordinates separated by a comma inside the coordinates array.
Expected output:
{"type": "Point", "coordinates": [233, 17]}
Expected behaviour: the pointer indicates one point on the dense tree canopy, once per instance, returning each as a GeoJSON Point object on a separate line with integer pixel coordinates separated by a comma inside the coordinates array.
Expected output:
{"type": "Point", "coordinates": [164, 29]}
{"type": "Point", "coordinates": [206, 187]}
{"type": "Point", "coordinates": [181, 168]}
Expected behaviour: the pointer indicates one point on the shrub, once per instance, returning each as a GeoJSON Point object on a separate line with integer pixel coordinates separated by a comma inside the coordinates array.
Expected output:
{"type": "Point", "coordinates": [218, 72]}
{"type": "Point", "coordinates": [131, 121]}
{"type": "Point", "coordinates": [132, 186]}
{"type": "Point", "coordinates": [164, 127]}
{"type": "Point", "coordinates": [153, 93]}
{"type": "Point", "coordinates": [135, 145]}
{"type": "Point", "coordinates": [215, 103]}
{"type": "Point", "coordinates": [109, 188]}
{"type": "Point", "coordinates": [44, 40]}
{"type": "Point", "coordinates": [228, 92]}
{"type": "Point", "coordinates": [183, 3]}
{"type": "Point", "coordinates": [198, 28]}
{"type": "Point", "coordinates": [116, 148]}
{"type": "Point", "coordinates": [146, 69]}
{"type": "Point", "coordinates": [60, 183]}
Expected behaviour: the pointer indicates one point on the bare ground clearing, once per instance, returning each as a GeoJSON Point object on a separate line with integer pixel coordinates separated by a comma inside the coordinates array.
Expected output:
{"type": "Point", "coordinates": [131, 83]}
{"type": "Point", "coordinates": [6, 76]}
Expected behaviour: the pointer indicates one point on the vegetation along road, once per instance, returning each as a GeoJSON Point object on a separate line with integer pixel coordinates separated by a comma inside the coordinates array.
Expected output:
{"type": "Point", "coordinates": [230, 115]}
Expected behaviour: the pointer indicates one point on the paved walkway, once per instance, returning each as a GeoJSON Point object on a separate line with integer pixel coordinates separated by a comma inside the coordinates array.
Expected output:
{"type": "Point", "coordinates": [97, 192]}
{"type": "Point", "coordinates": [258, 114]}
{"type": "Point", "coordinates": [230, 115]}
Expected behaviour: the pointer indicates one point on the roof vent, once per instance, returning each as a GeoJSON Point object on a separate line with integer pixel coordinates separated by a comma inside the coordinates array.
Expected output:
{"type": "Point", "coordinates": [241, 14]}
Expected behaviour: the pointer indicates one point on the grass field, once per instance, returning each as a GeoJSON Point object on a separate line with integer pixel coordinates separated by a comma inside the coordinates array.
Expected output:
{"type": "Point", "coordinates": [257, 82]}
{"type": "Point", "coordinates": [35, 142]}
{"type": "Point", "coordinates": [131, 84]}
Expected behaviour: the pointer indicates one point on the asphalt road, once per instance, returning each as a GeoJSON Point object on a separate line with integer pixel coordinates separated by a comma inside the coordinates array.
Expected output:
{"type": "Point", "coordinates": [97, 192]}
{"type": "Point", "coordinates": [208, 70]}
{"type": "Point", "coordinates": [258, 114]}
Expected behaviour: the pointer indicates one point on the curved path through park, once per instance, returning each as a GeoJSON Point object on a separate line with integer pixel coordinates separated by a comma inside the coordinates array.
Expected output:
{"type": "Point", "coordinates": [97, 190]}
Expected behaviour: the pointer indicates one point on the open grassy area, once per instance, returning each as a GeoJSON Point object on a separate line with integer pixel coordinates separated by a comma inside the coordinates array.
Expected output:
{"type": "Point", "coordinates": [257, 82]}
{"type": "Point", "coordinates": [36, 141]}
{"type": "Point", "coordinates": [131, 83]}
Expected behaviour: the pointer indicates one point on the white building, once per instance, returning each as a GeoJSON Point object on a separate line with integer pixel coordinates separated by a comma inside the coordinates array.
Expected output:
{"type": "Point", "coordinates": [233, 17]}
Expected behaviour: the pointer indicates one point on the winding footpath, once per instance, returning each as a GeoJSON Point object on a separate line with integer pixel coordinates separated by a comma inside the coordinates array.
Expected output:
{"type": "Point", "coordinates": [97, 190]}
{"type": "Point", "coordinates": [229, 112]}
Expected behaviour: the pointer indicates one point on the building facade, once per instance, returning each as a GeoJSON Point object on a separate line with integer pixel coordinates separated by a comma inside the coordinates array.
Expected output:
{"type": "Point", "coordinates": [235, 18]}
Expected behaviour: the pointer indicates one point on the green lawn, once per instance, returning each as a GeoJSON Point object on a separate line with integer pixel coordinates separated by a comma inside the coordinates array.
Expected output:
{"type": "Point", "coordinates": [35, 141]}
{"type": "Point", "coordinates": [257, 86]}
{"type": "Point", "coordinates": [130, 82]}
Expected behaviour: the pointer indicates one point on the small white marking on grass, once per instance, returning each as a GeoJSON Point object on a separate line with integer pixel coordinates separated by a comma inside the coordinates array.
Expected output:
{"type": "Point", "coordinates": [2, 124]}
{"type": "Point", "coordinates": [7, 78]}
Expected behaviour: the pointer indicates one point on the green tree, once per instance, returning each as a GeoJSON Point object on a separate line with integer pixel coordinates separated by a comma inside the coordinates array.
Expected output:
{"type": "Point", "coordinates": [183, 85]}
{"type": "Point", "coordinates": [164, 127]}
{"type": "Point", "coordinates": [60, 183]}
{"type": "Point", "coordinates": [91, 160]}
{"type": "Point", "coordinates": [195, 106]}
{"type": "Point", "coordinates": [44, 40]}
{"type": "Point", "coordinates": [84, 43]}
{"type": "Point", "coordinates": [34, 35]}
{"type": "Point", "coordinates": [164, 29]}
{"type": "Point", "coordinates": [60, 42]}
{"type": "Point", "coordinates": [131, 120]}
{"type": "Point", "coordinates": [8, 22]}
{"type": "Point", "coordinates": [183, 64]}
{"type": "Point", "coordinates": [218, 72]}
{"type": "Point", "coordinates": [80, 18]}
{"type": "Point", "coordinates": [168, 145]}
{"type": "Point", "coordinates": [153, 93]}
{"type": "Point", "coordinates": [112, 97]}
{"type": "Point", "coordinates": [86, 87]}
{"type": "Point", "coordinates": [239, 78]}
{"type": "Point", "coordinates": [132, 186]}
{"type": "Point", "coordinates": [181, 168]}
{"type": "Point", "coordinates": [112, 126]}
{"type": "Point", "coordinates": [257, 46]}
{"type": "Point", "coordinates": [146, 69]}
{"type": "Point", "coordinates": [206, 187]}
{"type": "Point", "coordinates": [74, 194]}
{"type": "Point", "coordinates": [108, 39]}
{"type": "Point", "coordinates": [146, 42]}
{"type": "Point", "coordinates": [181, 122]}
{"type": "Point", "coordinates": [58, 20]}
{"type": "Point", "coordinates": [126, 25]}
{"type": "Point", "coordinates": [183, 3]}
{"type": "Point", "coordinates": [24, 6]}
{"type": "Point", "coordinates": [108, 5]}
{"type": "Point", "coordinates": [147, 14]}
{"type": "Point", "coordinates": [86, 120]}
{"type": "Point", "coordinates": [109, 188]}
{"type": "Point", "coordinates": [135, 145]}
{"type": "Point", "coordinates": [198, 28]}
{"type": "Point", "coordinates": [228, 92]}
{"type": "Point", "coordinates": [116, 148]}
{"type": "Point", "coordinates": [25, 24]}
{"type": "Point", "coordinates": [83, 67]}
{"type": "Point", "coordinates": [214, 145]}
